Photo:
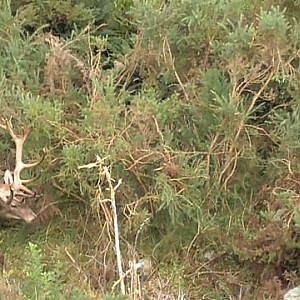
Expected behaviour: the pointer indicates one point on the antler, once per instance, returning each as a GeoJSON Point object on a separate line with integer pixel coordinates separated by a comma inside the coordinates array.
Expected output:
{"type": "Point", "coordinates": [18, 184]}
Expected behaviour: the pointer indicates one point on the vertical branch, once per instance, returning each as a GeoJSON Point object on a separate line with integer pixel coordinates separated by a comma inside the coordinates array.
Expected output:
{"type": "Point", "coordinates": [103, 170]}
{"type": "Point", "coordinates": [116, 228]}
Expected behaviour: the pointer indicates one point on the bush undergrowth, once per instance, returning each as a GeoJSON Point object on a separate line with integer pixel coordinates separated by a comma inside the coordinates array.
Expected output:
{"type": "Point", "coordinates": [195, 106]}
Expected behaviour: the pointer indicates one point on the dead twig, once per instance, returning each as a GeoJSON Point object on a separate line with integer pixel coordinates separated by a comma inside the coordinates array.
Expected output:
{"type": "Point", "coordinates": [104, 170]}
{"type": "Point", "coordinates": [116, 227]}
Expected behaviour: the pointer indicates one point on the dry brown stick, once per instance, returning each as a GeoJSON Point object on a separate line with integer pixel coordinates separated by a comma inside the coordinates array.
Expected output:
{"type": "Point", "coordinates": [242, 123]}
{"type": "Point", "coordinates": [74, 263]}
{"type": "Point", "coordinates": [166, 45]}
{"type": "Point", "coordinates": [209, 153]}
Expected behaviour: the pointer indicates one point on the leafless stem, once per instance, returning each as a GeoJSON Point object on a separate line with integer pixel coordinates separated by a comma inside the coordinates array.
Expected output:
{"type": "Point", "coordinates": [116, 229]}
{"type": "Point", "coordinates": [105, 170]}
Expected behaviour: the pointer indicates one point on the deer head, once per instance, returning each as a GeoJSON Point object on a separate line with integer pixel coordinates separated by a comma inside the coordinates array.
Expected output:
{"type": "Point", "coordinates": [17, 210]}
{"type": "Point", "coordinates": [13, 192]}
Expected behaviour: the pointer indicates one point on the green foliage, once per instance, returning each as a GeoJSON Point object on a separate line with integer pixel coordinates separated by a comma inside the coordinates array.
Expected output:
{"type": "Point", "coordinates": [194, 104]}
{"type": "Point", "coordinates": [239, 40]}
{"type": "Point", "coordinates": [115, 297]}
{"type": "Point", "coordinates": [39, 281]}
{"type": "Point", "coordinates": [273, 24]}
{"type": "Point", "coordinates": [60, 16]}
{"type": "Point", "coordinates": [297, 221]}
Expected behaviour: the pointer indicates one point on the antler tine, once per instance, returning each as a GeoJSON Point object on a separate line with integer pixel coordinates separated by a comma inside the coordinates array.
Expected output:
{"type": "Point", "coordinates": [13, 192]}
{"type": "Point", "coordinates": [9, 127]}
{"type": "Point", "coordinates": [20, 165]}
{"type": "Point", "coordinates": [4, 125]}
{"type": "Point", "coordinates": [30, 165]}
{"type": "Point", "coordinates": [35, 163]}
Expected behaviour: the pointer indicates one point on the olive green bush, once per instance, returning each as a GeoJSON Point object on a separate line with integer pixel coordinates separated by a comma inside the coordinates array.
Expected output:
{"type": "Point", "coordinates": [194, 104]}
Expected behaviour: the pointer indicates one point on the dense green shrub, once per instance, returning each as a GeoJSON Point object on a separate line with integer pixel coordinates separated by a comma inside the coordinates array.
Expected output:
{"type": "Point", "coordinates": [194, 104]}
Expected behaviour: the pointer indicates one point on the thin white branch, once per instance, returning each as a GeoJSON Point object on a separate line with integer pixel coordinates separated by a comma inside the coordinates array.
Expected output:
{"type": "Point", "coordinates": [104, 170]}
{"type": "Point", "coordinates": [116, 227]}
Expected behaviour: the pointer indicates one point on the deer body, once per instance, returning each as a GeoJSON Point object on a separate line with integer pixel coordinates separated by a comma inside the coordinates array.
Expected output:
{"type": "Point", "coordinates": [13, 192]}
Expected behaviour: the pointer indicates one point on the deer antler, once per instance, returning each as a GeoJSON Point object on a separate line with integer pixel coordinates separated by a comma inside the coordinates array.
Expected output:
{"type": "Point", "coordinates": [18, 184]}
